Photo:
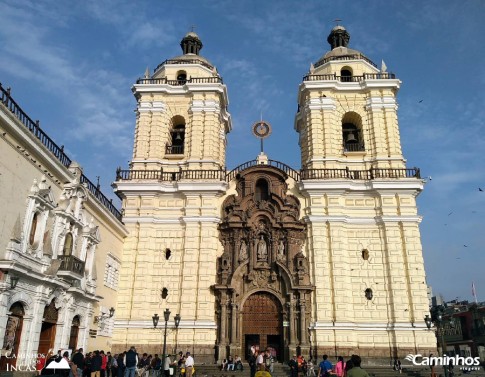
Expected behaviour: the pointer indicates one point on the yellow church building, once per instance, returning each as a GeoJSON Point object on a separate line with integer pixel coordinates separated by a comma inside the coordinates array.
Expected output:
{"type": "Point", "coordinates": [322, 259]}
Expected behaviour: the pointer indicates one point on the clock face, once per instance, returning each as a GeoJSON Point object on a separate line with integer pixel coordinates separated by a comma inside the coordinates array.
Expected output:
{"type": "Point", "coordinates": [261, 129]}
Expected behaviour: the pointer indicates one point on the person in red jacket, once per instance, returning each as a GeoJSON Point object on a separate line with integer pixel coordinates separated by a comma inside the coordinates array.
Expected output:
{"type": "Point", "coordinates": [104, 363]}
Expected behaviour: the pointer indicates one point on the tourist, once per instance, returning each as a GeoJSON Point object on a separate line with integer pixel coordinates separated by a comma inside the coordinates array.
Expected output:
{"type": "Point", "coordinates": [130, 361]}
{"type": "Point", "coordinates": [189, 365]}
{"type": "Point", "coordinates": [293, 364]}
{"type": "Point", "coordinates": [96, 362]}
{"type": "Point", "coordinates": [356, 370]}
{"type": "Point", "coordinates": [340, 367]}
{"type": "Point", "coordinates": [252, 363]}
{"type": "Point", "coordinates": [325, 367]}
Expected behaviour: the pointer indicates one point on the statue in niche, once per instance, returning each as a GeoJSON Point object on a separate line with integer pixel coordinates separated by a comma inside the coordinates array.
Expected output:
{"type": "Point", "coordinates": [261, 248]}
{"type": "Point", "coordinates": [281, 250]}
{"type": "Point", "coordinates": [243, 251]}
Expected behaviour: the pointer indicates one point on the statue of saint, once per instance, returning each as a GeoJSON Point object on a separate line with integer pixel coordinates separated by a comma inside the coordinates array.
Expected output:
{"type": "Point", "coordinates": [281, 248]}
{"type": "Point", "coordinates": [243, 251]}
{"type": "Point", "coordinates": [262, 249]}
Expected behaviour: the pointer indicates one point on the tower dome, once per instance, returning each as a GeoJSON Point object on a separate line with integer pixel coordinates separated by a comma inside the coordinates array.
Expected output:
{"type": "Point", "coordinates": [338, 37]}
{"type": "Point", "coordinates": [191, 43]}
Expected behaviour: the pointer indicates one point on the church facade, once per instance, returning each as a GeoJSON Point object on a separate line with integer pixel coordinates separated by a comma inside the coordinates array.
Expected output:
{"type": "Point", "coordinates": [324, 259]}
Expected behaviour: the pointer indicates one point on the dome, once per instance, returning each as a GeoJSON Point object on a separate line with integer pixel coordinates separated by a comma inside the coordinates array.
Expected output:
{"type": "Point", "coordinates": [339, 39]}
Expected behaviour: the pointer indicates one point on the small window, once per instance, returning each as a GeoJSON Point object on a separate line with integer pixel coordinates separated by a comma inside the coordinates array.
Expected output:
{"type": "Point", "coordinates": [368, 294]}
{"type": "Point", "coordinates": [346, 75]}
{"type": "Point", "coordinates": [33, 228]}
{"type": "Point", "coordinates": [365, 254]}
{"type": "Point", "coordinates": [261, 191]}
{"type": "Point", "coordinates": [181, 77]}
{"type": "Point", "coordinates": [67, 249]}
{"type": "Point", "coordinates": [168, 254]}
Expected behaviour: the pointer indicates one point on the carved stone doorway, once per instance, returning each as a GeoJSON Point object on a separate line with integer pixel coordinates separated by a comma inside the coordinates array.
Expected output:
{"type": "Point", "coordinates": [262, 324]}
{"type": "Point", "coordinates": [13, 331]}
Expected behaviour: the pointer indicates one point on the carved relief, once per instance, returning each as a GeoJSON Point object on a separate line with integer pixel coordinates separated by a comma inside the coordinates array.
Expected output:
{"type": "Point", "coordinates": [262, 237]}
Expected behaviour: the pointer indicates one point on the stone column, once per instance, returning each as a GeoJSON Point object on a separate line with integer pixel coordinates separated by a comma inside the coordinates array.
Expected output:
{"type": "Point", "coordinates": [303, 330]}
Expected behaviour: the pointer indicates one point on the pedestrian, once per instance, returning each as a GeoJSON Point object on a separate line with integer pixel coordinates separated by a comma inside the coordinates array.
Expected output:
{"type": "Point", "coordinates": [130, 361]}
{"type": "Point", "coordinates": [293, 364]}
{"type": "Point", "coordinates": [252, 363]}
{"type": "Point", "coordinates": [348, 366]}
{"type": "Point", "coordinates": [121, 365]}
{"type": "Point", "coordinates": [340, 367]}
{"type": "Point", "coordinates": [356, 370]}
{"type": "Point", "coordinates": [260, 361]}
{"type": "Point", "coordinates": [397, 365]}
{"type": "Point", "coordinates": [78, 360]}
{"type": "Point", "coordinates": [96, 362]}
{"type": "Point", "coordinates": [189, 365]}
{"type": "Point", "coordinates": [104, 363]}
{"type": "Point", "coordinates": [166, 366]}
{"type": "Point", "coordinates": [325, 367]}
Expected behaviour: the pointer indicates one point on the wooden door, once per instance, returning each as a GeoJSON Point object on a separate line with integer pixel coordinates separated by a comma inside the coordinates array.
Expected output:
{"type": "Point", "coordinates": [262, 315]}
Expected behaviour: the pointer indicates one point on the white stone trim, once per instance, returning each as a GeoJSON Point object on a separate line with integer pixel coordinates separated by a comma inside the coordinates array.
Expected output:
{"type": "Point", "coordinates": [378, 326]}
{"type": "Point", "coordinates": [179, 220]}
{"type": "Point", "coordinates": [404, 184]}
{"type": "Point", "coordinates": [361, 220]}
{"type": "Point", "coordinates": [379, 103]}
{"type": "Point", "coordinates": [137, 324]}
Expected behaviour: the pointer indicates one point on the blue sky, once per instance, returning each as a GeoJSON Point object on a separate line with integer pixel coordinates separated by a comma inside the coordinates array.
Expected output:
{"type": "Point", "coordinates": [71, 64]}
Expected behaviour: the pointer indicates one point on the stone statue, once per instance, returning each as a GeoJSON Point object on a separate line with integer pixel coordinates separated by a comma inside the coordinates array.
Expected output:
{"type": "Point", "coordinates": [281, 250]}
{"type": "Point", "coordinates": [243, 251]}
{"type": "Point", "coordinates": [262, 249]}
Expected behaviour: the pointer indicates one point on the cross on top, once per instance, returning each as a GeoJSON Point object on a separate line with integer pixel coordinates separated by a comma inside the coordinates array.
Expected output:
{"type": "Point", "coordinates": [337, 20]}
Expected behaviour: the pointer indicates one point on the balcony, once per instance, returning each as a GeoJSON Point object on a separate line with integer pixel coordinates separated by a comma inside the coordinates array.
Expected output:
{"type": "Point", "coordinates": [71, 267]}
{"type": "Point", "coordinates": [174, 149]}
{"type": "Point", "coordinates": [354, 147]}
{"type": "Point", "coordinates": [192, 80]}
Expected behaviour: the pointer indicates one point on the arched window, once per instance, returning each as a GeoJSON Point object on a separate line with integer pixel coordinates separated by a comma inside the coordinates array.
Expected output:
{"type": "Point", "coordinates": [177, 136]}
{"type": "Point", "coordinates": [67, 249]}
{"type": "Point", "coordinates": [352, 133]}
{"type": "Point", "coordinates": [181, 77]}
{"type": "Point", "coordinates": [261, 191]}
{"type": "Point", "coordinates": [33, 228]}
{"type": "Point", "coordinates": [346, 74]}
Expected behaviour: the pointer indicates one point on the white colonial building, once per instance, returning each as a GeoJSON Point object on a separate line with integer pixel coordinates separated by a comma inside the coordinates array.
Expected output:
{"type": "Point", "coordinates": [60, 246]}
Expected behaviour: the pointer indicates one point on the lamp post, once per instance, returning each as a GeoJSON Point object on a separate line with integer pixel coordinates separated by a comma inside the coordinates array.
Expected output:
{"type": "Point", "coordinates": [438, 320]}
{"type": "Point", "coordinates": [177, 323]}
{"type": "Point", "coordinates": [166, 317]}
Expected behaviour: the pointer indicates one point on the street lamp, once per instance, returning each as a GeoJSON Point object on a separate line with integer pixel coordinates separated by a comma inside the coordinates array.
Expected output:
{"type": "Point", "coordinates": [166, 317]}
{"type": "Point", "coordinates": [437, 319]}
{"type": "Point", "coordinates": [177, 323]}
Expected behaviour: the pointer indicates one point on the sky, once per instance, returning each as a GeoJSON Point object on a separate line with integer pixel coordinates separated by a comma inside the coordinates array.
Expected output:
{"type": "Point", "coordinates": [71, 64]}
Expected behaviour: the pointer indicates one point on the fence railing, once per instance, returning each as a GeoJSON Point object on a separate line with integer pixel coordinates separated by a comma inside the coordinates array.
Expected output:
{"type": "Point", "coordinates": [188, 61]}
{"type": "Point", "coordinates": [221, 175]}
{"type": "Point", "coordinates": [191, 80]}
{"type": "Point", "coordinates": [58, 152]}
{"type": "Point", "coordinates": [346, 57]}
{"type": "Point", "coordinates": [335, 77]}
{"type": "Point", "coordinates": [71, 263]}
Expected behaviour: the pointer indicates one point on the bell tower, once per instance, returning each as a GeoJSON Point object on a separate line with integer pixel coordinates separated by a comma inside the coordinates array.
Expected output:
{"type": "Point", "coordinates": [182, 117]}
{"type": "Point", "coordinates": [347, 111]}
{"type": "Point", "coordinates": [363, 237]}
{"type": "Point", "coordinates": [171, 195]}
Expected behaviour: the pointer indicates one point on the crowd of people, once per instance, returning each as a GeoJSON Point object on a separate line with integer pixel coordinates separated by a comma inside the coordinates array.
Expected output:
{"type": "Point", "coordinates": [350, 368]}
{"type": "Point", "coordinates": [126, 364]}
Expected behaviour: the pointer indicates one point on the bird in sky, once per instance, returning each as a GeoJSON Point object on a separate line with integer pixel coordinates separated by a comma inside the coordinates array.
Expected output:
{"type": "Point", "coordinates": [465, 245]}
{"type": "Point", "coordinates": [450, 213]}
{"type": "Point", "coordinates": [420, 101]}
{"type": "Point", "coordinates": [479, 189]}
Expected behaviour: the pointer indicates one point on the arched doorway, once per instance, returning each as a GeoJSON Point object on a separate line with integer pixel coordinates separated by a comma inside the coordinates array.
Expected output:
{"type": "Point", "coordinates": [262, 324]}
{"type": "Point", "coordinates": [48, 330]}
{"type": "Point", "coordinates": [11, 340]}
{"type": "Point", "coordinates": [76, 321]}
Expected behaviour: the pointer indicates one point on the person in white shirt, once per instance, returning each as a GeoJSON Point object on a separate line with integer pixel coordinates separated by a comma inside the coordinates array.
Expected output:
{"type": "Point", "coordinates": [189, 364]}
{"type": "Point", "coordinates": [260, 361]}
